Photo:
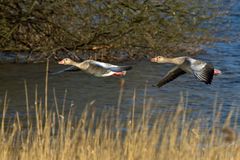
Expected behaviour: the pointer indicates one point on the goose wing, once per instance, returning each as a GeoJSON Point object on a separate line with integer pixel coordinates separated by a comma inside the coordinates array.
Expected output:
{"type": "Point", "coordinates": [120, 68]}
{"type": "Point", "coordinates": [111, 67]}
{"type": "Point", "coordinates": [205, 74]}
{"type": "Point", "coordinates": [68, 69]}
{"type": "Point", "coordinates": [170, 76]}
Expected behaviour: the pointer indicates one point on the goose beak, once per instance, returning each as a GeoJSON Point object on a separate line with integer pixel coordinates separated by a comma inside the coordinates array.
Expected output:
{"type": "Point", "coordinates": [61, 62]}
{"type": "Point", "coordinates": [217, 72]}
{"type": "Point", "coordinates": [153, 60]}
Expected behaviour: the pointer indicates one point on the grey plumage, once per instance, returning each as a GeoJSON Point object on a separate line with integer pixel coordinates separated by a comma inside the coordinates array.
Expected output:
{"type": "Point", "coordinates": [170, 76]}
{"type": "Point", "coordinates": [201, 70]}
{"type": "Point", "coordinates": [96, 68]}
{"type": "Point", "coordinates": [205, 74]}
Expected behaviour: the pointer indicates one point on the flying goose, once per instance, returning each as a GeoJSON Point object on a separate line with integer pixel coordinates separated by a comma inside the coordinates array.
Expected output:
{"type": "Point", "coordinates": [201, 70]}
{"type": "Point", "coordinates": [96, 68]}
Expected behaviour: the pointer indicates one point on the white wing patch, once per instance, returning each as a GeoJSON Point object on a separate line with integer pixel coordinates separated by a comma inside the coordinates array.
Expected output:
{"type": "Point", "coordinates": [102, 64]}
{"type": "Point", "coordinates": [196, 65]}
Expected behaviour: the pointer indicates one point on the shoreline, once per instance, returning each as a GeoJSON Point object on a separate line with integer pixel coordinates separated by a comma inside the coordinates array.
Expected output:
{"type": "Point", "coordinates": [117, 56]}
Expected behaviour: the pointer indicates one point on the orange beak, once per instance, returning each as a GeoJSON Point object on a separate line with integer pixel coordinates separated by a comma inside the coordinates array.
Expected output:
{"type": "Point", "coordinates": [61, 62]}
{"type": "Point", "coordinates": [153, 59]}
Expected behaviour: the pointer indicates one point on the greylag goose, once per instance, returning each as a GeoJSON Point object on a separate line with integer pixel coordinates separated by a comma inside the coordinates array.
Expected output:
{"type": "Point", "coordinates": [96, 68]}
{"type": "Point", "coordinates": [201, 70]}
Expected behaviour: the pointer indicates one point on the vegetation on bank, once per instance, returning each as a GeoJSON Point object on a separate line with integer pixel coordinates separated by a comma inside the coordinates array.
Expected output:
{"type": "Point", "coordinates": [59, 136]}
{"type": "Point", "coordinates": [107, 29]}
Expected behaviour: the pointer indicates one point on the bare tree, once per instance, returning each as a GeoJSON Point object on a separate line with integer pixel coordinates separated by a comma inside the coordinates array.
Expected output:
{"type": "Point", "coordinates": [98, 26]}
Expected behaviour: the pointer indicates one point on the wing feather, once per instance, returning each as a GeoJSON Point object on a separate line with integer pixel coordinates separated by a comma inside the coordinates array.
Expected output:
{"type": "Point", "coordinates": [68, 69]}
{"type": "Point", "coordinates": [111, 67]}
{"type": "Point", "coordinates": [102, 64]}
{"type": "Point", "coordinates": [205, 74]}
{"type": "Point", "coordinates": [170, 76]}
{"type": "Point", "coordinates": [120, 68]}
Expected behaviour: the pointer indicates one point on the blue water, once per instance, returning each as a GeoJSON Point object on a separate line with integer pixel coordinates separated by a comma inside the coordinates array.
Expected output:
{"type": "Point", "coordinates": [81, 88]}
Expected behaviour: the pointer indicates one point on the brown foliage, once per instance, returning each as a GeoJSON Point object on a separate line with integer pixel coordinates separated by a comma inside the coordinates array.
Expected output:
{"type": "Point", "coordinates": [77, 25]}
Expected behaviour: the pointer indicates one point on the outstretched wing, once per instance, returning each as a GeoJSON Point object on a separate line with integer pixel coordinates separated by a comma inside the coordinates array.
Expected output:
{"type": "Point", "coordinates": [205, 74]}
{"type": "Point", "coordinates": [170, 76]}
{"type": "Point", "coordinates": [111, 67]}
{"type": "Point", "coordinates": [120, 68]}
{"type": "Point", "coordinates": [68, 69]}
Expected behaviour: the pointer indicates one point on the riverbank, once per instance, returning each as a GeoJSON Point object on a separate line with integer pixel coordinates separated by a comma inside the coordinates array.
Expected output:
{"type": "Point", "coordinates": [100, 54]}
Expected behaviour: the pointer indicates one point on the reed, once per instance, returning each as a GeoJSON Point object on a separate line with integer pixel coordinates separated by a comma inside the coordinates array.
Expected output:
{"type": "Point", "coordinates": [169, 136]}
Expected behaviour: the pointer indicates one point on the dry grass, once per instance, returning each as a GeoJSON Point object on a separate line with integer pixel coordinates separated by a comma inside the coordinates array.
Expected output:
{"type": "Point", "coordinates": [56, 136]}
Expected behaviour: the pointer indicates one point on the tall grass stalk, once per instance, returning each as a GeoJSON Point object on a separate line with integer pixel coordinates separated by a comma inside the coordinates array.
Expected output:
{"type": "Point", "coordinates": [46, 88]}
{"type": "Point", "coordinates": [171, 136]}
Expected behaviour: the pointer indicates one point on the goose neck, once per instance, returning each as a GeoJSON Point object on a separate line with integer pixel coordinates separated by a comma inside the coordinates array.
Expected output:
{"type": "Point", "coordinates": [173, 60]}
{"type": "Point", "coordinates": [82, 65]}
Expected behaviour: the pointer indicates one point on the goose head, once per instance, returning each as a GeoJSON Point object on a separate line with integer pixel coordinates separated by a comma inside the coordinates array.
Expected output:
{"type": "Point", "coordinates": [66, 61]}
{"type": "Point", "coordinates": [158, 59]}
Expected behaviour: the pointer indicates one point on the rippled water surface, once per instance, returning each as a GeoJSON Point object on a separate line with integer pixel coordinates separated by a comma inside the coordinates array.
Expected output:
{"type": "Point", "coordinates": [81, 88]}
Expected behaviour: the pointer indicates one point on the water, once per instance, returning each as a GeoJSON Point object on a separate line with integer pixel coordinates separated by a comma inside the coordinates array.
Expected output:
{"type": "Point", "coordinates": [81, 88]}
